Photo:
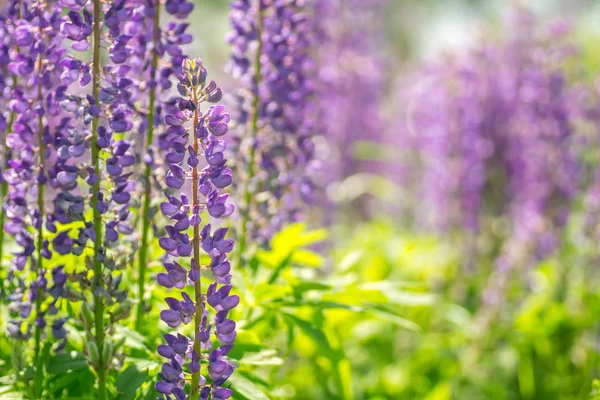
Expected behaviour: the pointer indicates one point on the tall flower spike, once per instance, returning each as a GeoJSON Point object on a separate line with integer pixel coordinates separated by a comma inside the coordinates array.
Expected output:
{"type": "Point", "coordinates": [197, 170]}
{"type": "Point", "coordinates": [351, 80]}
{"type": "Point", "coordinates": [271, 43]}
{"type": "Point", "coordinates": [156, 56]}
{"type": "Point", "coordinates": [8, 82]}
{"type": "Point", "coordinates": [104, 119]}
{"type": "Point", "coordinates": [33, 115]}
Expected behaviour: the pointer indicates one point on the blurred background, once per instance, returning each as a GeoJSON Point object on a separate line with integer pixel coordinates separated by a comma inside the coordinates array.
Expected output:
{"type": "Point", "coordinates": [454, 253]}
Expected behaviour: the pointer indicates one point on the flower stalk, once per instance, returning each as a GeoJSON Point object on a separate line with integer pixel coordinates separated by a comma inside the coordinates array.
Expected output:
{"type": "Point", "coordinates": [206, 130]}
{"type": "Point", "coordinates": [253, 134]}
{"type": "Point", "coordinates": [97, 217]}
{"type": "Point", "coordinates": [146, 218]}
{"type": "Point", "coordinates": [40, 205]}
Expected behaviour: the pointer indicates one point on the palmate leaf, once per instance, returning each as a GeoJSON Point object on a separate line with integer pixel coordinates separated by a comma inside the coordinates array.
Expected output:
{"type": "Point", "coordinates": [398, 296]}
{"type": "Point", "coordinates": [143, 364]}
{"type": "Point", "coordinates": [377, 310]}
{"type": "Point", "coordinates": [314, 304]}
{"type": "Point", "coordinates": [280, 267]}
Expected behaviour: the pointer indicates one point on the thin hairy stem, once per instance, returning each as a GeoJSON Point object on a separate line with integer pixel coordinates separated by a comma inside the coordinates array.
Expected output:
{"type": "Point", "coordinates": [253, 134]}
{"type": "Point", "coordinates": [196, 245]}
{"type": "Point", "coordinates": [146, 219]}
{"type": "Point", "coordinates": [97, 218]}
{"type": "Point", "coordinates": [40, 205]}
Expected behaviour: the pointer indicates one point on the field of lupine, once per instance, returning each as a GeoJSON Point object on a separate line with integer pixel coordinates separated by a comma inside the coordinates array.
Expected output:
{"type": "Point", "coordinates": [279, 199]}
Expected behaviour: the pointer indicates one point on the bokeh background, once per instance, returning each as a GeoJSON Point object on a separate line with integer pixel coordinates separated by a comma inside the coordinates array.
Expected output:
{"type": "Point", "coordinates": [453, 251]}
{"type": "Point", "coordinates": [462, 201]}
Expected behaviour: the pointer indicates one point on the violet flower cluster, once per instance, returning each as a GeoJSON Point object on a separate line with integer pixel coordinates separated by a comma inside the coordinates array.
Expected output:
{"type": "Point", "coordinates": [271, 58]}
{"type": "Point", "coordinates": [114, 105]}
{"type": "Point", "coordinates": [500, 112]}
{"type": "Point", "coordinates": [499, 121]}
{"type": "Point", "coordinates": [351, 76]}
{"type": "Point", "coordinates": [97, 148]}
{"type": "Point", "coordinates": [156, 57]}
{"type": "Point", "coordinates": [193, 136]}
{"type": "Point", "coordinates": [31, 43]}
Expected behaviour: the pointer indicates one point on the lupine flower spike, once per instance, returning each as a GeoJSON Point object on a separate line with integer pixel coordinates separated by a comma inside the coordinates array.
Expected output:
{"type": "Point", "coordinates": [271, 57]}
{"type": "Point", "coordinates": [194, 135]}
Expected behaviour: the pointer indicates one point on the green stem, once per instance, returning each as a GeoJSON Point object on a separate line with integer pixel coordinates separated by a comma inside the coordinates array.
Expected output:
{"type": "Point", "coordinates": [146, 221]}
{"type": "Point", "coordinates": [97, 218]}
{"type": "Point", "coordinates": [196, 244]}
{"type": "Point", "coordinates": [40, 205]}
{"type": "Point", "coordinates": [253, 134]}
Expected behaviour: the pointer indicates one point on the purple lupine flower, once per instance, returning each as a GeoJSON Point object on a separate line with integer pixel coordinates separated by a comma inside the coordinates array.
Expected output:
{"type": "Point", "coordinates": [203, 181]}
{"type": "Point", "coordinates": [271, 58]}
{"type": "Point", "coordinates": [103, 114]}
{"type": "Point", "coordinates": [156, 56]}
{"type": "Point", "coordinates": [115, 104]}
{"type": "Point", "coordinates": [34, 48]}
{"type": "Point", "coordinates": [350, 89]}
{"type": "Point", "coordinates": [503, 120]}
{"type": "Point", "coordinates": [7, 46]}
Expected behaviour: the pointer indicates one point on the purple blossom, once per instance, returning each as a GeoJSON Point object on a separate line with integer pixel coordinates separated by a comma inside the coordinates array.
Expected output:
{"type": "Point", "coordinates": [271, 58]}
{"type": "Point", "coordinates": [498, 120]}
{"type": "Point", "coordinates": [187, 177]}
{"type": "Point", "coordinates": [32, 46]}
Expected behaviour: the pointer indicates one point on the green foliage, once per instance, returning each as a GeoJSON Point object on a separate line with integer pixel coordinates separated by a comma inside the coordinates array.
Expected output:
{"type": "Point", "coordinates": [388, 315]}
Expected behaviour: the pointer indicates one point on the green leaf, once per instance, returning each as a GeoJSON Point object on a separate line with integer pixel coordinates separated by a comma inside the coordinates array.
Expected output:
{"type": "Point", "coordinates": [306, 286]}
{"type": "Point", "coordinates": [314, 333]}
{"type": "Point", "coordinates": [247, 388]}
{"type": "Point", "coordinates": [280, 267]}
{"type": "Point", "coordinates": [129, 381]}
{"type": "Point", "coordinates": [264, 292]}
{"type": "Point", "coordinates": [62, 363]}
{"type": "Point", "coordinates": [41, 362]}
{"type": "Point", "coordinates": [133, 339]}
{"type": "Point", "coordinates": [142, 364]}
{"type": "Point", "coordinates": [385, 314]}
{"type": "Point", "coordinates": [351, 259]}
{"type": "Point", "coordinates": [319, 305]}
{"type": "Point", "coordinates": [344, 372]}
{"type": "Point", "coordinates": [265, 357]}
{"type": "Point", "coordinates": [307, 258]}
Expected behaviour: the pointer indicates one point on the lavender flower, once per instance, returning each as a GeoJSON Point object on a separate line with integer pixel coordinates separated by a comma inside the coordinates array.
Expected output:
{"type": "Point", "coordinates": [106, 116]}
{"type": "Point", "coordinates": [33, 123]}
{"type": "Point", "coordinates": [271, 59]}
{"type": "Point", "coordinates": [8, 82]}
{"type": "Point", "coordinates": [207, 130]}
{"type": "Point", "coordinates": [156, 56]}
{"type": "Point", "coordinates": [499, 117]}
{"type": "Point", "coordinates": [351, 80]}
{"type": "Point", "coordinates": [484, 127]}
